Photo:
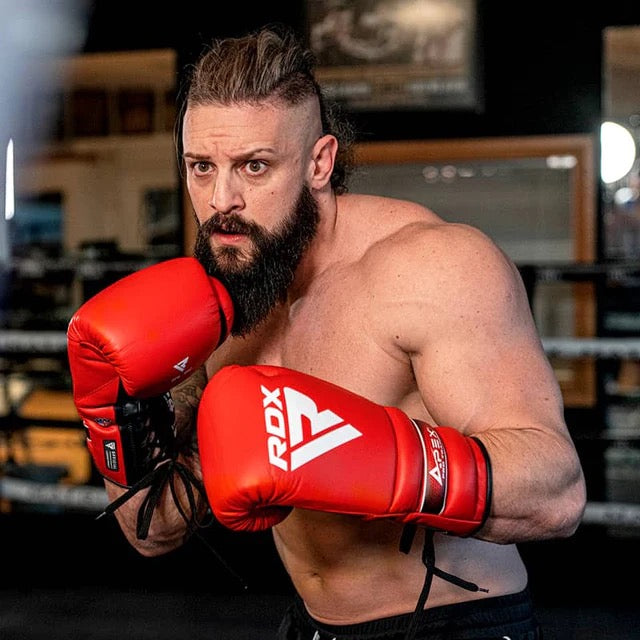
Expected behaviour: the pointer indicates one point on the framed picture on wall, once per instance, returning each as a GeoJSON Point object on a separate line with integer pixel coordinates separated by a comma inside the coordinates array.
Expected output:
{"type": "Point", "coordinates": [397, 54]}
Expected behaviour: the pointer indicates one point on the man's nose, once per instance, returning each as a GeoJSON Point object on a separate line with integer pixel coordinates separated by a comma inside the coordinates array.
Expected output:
{"type": "Point", "coordinates": [226, 195]}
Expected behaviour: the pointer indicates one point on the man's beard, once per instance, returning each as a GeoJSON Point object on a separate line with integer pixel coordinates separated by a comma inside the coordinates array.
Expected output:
{"type": "Point", "coordinates": [258, 283]}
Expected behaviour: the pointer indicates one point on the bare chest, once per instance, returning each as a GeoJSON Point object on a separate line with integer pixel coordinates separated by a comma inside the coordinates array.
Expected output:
{"type": "Point", "coordinates": [335, 333]}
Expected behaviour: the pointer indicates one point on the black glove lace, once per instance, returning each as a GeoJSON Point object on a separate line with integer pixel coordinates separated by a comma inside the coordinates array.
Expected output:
{"type": "Point", "coordinates": [429, 561]}
{"type": "Point", "coordinates": [168, 468]}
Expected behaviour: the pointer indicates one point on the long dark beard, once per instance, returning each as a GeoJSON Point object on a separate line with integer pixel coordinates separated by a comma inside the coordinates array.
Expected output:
{"type": "Point", "coordinates": [259, 283]}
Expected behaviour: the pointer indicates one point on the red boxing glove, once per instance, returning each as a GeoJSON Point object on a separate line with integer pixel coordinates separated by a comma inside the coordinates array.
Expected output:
{"type": "Point", "coordinates": [271, 439]}
{"type": "Point", "coordinates": [129, 345]}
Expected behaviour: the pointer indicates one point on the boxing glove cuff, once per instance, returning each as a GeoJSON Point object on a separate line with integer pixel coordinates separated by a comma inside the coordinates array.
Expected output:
{"type": "Point", "coordinates": [139, 436]}
{"type": "Point", "coordinates": [457, 487]}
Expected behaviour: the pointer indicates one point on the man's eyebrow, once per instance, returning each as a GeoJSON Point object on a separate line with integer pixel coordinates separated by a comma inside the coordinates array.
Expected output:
{"type": "Point", "coordinates": [249, 153]}
{"type": "Point", "coordinates": [194, 156]}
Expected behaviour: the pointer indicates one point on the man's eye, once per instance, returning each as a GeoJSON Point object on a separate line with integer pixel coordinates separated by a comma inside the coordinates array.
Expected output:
{"type": "Point", "coordinates": [201, 167]}
{"type": "Point", "coordinates": [255, 166]}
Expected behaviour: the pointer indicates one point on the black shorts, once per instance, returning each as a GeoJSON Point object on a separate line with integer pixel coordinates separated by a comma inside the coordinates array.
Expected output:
{"type": "Point", "coordinates": [510, 617]}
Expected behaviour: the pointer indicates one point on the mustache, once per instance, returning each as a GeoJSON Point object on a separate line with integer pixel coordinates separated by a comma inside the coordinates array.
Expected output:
{"type": "Point", "coordinates": [230, 223]}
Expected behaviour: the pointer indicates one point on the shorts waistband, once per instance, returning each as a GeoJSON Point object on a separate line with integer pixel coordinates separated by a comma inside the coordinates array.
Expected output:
{"type": "Point", "coordinates": [483, 613]}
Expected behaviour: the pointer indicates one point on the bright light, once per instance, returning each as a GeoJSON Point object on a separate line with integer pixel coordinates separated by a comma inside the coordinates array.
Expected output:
{"type": "Point", "coordinates": [618, 152]}
{"type": "Point", "coordinates": [625, 195]}
{"type": "Point", "coordinates": [9, 197]}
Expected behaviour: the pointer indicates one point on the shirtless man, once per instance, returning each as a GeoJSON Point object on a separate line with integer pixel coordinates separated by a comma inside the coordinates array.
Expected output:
{"type": "Point", "coordinates": [366, 306]}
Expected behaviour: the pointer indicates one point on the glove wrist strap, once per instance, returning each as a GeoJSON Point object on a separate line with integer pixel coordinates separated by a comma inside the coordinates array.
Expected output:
{"type": "Point", "coordinates": [146, 433]}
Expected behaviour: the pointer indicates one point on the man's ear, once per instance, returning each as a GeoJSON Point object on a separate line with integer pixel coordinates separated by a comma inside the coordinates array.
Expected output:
{"type": "Point", "coordinates": [323, 159]}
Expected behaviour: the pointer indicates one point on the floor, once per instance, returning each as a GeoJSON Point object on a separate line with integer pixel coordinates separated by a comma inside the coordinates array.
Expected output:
{"type": "Point", "coordinates": [66, 577]}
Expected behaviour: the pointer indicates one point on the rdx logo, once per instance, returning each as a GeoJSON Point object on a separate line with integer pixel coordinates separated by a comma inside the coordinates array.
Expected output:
{"type": "Point", "coordinates": [287, 444]}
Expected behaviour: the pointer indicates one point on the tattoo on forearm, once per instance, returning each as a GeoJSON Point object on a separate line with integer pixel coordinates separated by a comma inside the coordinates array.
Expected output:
{"type": "Point", "coordinates": [186, 397]}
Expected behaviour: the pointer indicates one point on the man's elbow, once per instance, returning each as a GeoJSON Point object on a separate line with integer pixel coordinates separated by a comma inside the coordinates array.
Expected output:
{"type": "Point", "coordinates": [156, 543]}
{"type": "Point", "coordinates": [569, 509]}
{"type": "Point", "coordinates": [151, 548]}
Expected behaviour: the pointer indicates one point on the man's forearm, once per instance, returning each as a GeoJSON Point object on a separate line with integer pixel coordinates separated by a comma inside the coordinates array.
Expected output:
{"type": "Point", "coordinates": [168, 527]}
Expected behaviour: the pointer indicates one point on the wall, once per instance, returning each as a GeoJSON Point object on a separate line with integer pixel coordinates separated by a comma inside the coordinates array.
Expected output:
{"type": "Point", "coordinates": [542, 70]}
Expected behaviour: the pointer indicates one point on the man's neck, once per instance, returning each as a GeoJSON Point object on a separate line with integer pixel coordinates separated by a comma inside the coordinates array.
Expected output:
{"type": "Point", "coordinates": [321, 252]}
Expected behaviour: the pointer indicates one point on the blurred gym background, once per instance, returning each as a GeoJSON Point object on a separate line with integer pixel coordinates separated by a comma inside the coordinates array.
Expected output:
{"type": "Point", "coordinates": [505, 115]}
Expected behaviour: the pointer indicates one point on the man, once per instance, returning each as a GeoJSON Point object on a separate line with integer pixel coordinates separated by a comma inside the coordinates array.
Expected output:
{"type": "Point", "coordinates": [408, 340]}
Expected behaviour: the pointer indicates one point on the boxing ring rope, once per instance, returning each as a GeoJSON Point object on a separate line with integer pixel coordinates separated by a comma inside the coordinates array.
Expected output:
{"type": "Point", "coordinates": [55, 342]}
{"type": "Point", "coordinates": [612, 514]}
{"type": "Point", "coordinates": [94, 499]}
{"type": "Point", "coordinates": [91, 498]}
{"type": "Point", "coordinates": [623, 348]}
{"type": "Point", "coordinates": [36, 342]}
{"type": "Point", "coordinates": [80, 497]}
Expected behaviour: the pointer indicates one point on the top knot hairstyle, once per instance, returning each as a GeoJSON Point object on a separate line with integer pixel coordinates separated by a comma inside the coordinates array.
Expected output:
{"type": "Point", "coordinates": [269, 64]}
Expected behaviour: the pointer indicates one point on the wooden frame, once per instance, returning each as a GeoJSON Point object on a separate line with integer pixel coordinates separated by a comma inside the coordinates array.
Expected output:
{"type": "Point", "coordinates": [576, 376]}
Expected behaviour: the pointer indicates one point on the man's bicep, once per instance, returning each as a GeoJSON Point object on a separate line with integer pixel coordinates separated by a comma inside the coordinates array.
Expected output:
{"type": "Point", "coordinates": [486, 368]}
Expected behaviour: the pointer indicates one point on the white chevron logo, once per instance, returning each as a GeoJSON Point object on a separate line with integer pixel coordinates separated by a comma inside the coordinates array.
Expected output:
{"type": "Point", "coordinates": [182, 365]}
{"type": "Point", "coordinates": [328, 430]}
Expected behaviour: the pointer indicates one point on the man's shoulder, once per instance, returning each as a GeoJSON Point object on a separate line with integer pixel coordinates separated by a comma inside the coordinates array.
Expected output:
{"type": "Point", "coordinates": [414, 235]}
{"type": "Point", "coordinates": [399, 243]}
{"type": "Point", "coordinates": [376, 225]}
{"type": "Point", "coordinates": [433, 258]}
{"type": "Point", "coordinates": [378, 207]}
